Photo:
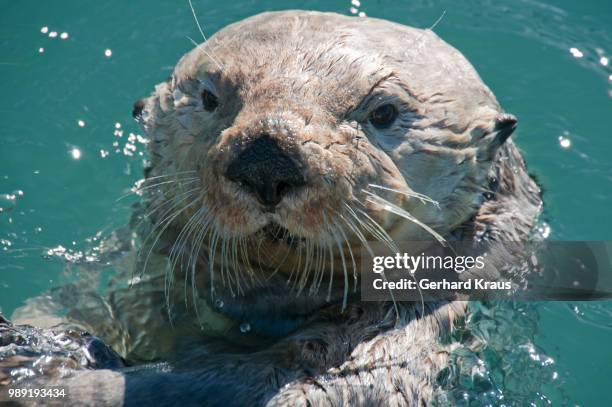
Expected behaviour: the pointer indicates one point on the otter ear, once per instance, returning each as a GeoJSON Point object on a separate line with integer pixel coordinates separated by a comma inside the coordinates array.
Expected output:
{"type": "Point", "coordinates": [137, 109]}
{"type": "Point", "coordinates": [505, 124]}
{"type": "Point", "coordinates": [143, 107]}
{"type": "Point", "coordinates": [503, 127]}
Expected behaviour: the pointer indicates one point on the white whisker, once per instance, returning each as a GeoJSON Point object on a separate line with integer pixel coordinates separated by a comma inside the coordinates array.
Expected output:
{"type": "Point", "coordinates": [341, 250]}
{"type": "Point", "coordinates": [180, 181]}
{"type": "Point", "coordinates": [167, 222]}
{"type": "Point", "coordinates": [195, 17]}
{"type": "Point", "coordinates": [390, 207]}
{"type": "Point", "coordinates": [363, 240]}
{"type": "Point", "coordinates": [423, 198]}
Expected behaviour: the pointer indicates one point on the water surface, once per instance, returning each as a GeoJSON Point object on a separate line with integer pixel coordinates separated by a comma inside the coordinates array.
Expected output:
{"type": "Point", "coordinates": [70, 72]}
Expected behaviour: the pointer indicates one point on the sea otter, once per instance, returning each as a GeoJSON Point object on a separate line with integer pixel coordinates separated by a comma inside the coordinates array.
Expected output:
{"type": "Point", "coordinates": [278, 149]}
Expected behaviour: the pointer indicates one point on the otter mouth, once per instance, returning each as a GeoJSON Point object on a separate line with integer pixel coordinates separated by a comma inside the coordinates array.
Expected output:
{"type": "Point", "coordinates": [275, 233]}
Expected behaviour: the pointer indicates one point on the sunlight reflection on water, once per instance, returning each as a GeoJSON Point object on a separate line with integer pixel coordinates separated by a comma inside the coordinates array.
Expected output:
{"type": "Point", "coordinates": [479, 374]}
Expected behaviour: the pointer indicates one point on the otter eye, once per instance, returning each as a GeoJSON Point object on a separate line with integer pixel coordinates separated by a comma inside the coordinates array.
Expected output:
{"type": "Point", "coordinates": [383, 116]}
{"type": "Point", "coordinates": [209, 101]}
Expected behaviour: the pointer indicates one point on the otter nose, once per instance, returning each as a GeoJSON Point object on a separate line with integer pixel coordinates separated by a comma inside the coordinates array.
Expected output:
{"type": "Point", "coordinates": [265, 170]}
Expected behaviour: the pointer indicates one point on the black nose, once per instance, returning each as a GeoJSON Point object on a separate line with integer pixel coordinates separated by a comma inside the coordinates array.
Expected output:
{"type": "Point", "coordinates": [266, 171]}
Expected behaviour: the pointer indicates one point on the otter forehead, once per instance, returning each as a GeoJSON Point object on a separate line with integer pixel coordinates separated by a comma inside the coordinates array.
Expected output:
{"type": "Point", "coordinates": [331, 62]}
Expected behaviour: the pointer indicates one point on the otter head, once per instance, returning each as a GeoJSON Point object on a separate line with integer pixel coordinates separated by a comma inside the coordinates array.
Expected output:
{"type": "Point", "coordinates": [293, 129]}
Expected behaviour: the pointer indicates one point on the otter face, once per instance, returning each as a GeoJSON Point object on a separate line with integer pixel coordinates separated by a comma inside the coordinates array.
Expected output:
{"type": "Point", "coordinates": [323, 128]}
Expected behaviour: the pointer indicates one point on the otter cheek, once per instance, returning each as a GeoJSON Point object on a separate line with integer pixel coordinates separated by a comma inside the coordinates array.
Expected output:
{"type": "Point", "coordinates": [378, 168]}
{"type": "Point", "coordinates": [435, 173]}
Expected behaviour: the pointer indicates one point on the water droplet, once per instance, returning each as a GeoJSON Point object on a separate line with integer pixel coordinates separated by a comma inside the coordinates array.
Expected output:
{"type": "Point", "coordinates": [75, 153]}
{"type": "Point", "coordinates": [7, 202]}
{"type": "Point", "coordinates": [134, 281]}
{"type": "Point", "coordinates": [576, 53]}
{"type": "Point", "coordinates": [219, 303]}
{"type": "Point", "coordinates": [564, 142]}
{"type": "Point", "coordinates": [544, 230]}
{"type": "Point", "coordinates": [245, 327]}
{"type": "Point", "coordinates": [108, 52]}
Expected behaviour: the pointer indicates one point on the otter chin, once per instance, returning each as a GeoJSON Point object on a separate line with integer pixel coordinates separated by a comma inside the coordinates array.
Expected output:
{"type": "Point", "coordinates": [279, 150]}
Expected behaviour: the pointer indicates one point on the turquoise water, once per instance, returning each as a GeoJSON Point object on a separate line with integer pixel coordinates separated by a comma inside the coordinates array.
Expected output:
{"type": "Point", "coordinates": [65, 101]}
